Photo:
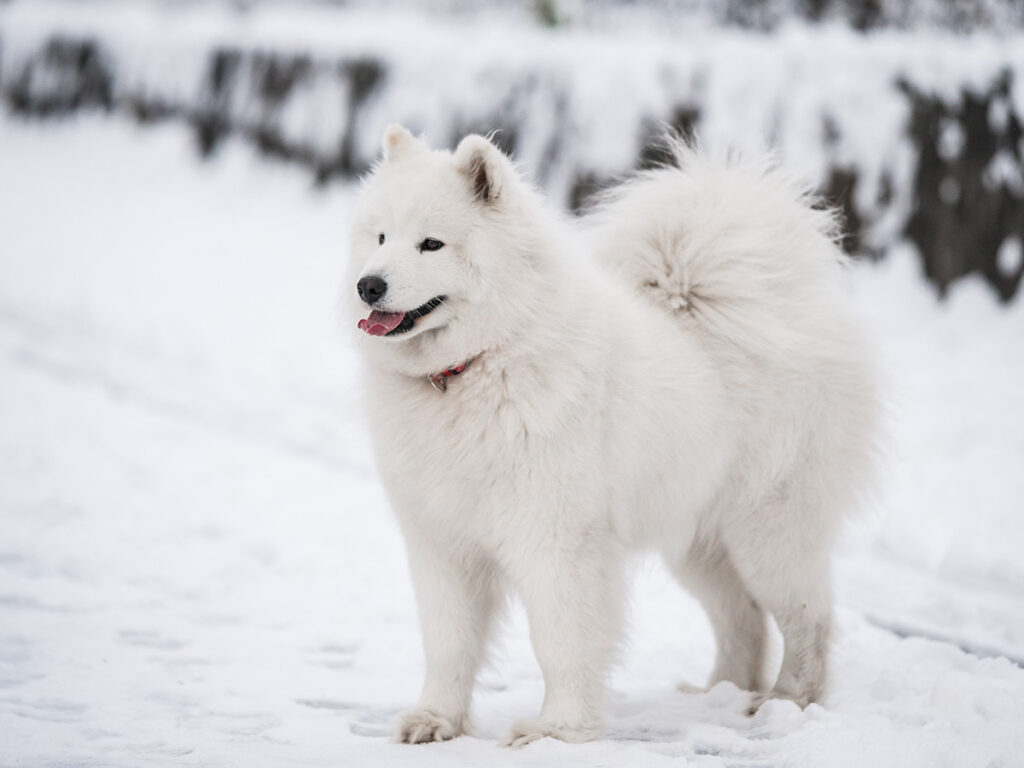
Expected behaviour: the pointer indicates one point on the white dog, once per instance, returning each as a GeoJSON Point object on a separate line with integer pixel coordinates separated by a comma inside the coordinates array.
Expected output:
{"type": "Point", "coordinates": [679, 374]}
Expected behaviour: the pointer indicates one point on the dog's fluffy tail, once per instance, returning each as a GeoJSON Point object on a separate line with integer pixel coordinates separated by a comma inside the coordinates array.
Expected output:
{"type": "Point", "coordinates": [738, 247]}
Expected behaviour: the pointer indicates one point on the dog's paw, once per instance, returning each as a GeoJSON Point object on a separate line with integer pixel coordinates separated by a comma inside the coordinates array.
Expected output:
{"type": "Point", "coordinates": [419, 726]}
{"type": "Point", "coordinates": [526, 731]}
{"type": "Point", "coordinates": [758, 699]}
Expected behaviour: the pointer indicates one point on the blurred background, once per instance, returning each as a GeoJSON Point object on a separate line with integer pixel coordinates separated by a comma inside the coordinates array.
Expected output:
{"type": "Point", "coordinates": [197, 563]}
{"type": "Point", "coordinates": [906, 113]}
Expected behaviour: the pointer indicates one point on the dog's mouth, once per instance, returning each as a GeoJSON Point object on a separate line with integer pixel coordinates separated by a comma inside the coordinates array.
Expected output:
{"type": "Point", "coordinates": [396, 323]}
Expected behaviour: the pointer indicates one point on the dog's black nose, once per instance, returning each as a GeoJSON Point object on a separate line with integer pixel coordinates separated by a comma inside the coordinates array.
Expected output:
{"type": "Point", "coordinates": [371, 288]}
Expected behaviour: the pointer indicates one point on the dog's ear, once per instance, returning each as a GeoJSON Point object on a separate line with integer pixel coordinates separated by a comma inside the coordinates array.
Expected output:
{"type": "Point", "coordinates": [398, 142]}
{"type": "Point", "coordinates": [485, 167]}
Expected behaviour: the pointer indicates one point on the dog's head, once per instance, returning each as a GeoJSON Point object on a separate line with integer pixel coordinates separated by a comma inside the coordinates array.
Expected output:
{"type": "Point", "coordinates": [438, 243]}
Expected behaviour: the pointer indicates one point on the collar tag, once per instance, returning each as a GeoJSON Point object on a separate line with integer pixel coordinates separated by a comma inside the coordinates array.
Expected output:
{"type": "Point", "coordinates": [439, 381]}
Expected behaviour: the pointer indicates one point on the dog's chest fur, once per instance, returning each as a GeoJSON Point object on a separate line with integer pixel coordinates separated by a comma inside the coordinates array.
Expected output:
{"type": "Point", "coordinates": [515, 449]}
{"type": "Point", "coordinates": [479, 454]}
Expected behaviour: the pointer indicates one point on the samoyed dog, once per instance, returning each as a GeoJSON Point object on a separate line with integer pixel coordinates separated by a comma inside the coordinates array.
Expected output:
{"type": "Point", "coordinates": [678, 372]}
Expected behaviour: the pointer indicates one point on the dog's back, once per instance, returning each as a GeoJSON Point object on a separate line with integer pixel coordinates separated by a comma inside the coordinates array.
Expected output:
{"type": "Point", "coordinates": [742, 256]}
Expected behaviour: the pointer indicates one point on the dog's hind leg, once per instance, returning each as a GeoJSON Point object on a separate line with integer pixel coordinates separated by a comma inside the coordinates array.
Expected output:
{"type": "Point", "coordinates": [737, 619]}
{"type": "Point", "coordinates": [784, 561]}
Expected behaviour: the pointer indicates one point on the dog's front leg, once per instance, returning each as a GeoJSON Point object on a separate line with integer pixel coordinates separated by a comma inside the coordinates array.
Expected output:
{"type": "Point", "coordinates": [456, 595]}
{"type": "Point", "coordinates": [574, 597]}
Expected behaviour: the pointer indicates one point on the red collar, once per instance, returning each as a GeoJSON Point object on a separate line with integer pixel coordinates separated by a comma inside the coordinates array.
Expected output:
{"type": "Point", "coordinates": [439, 381]}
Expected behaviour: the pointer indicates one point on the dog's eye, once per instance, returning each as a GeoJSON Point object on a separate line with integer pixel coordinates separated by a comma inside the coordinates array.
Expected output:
{"type": "Point", "coordinates": [430, 244]}
{"type": "Point", "coordinates": [380, 238]}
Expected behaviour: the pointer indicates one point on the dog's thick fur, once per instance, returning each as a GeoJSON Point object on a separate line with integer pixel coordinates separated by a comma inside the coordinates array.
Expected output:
{"type": "Point", "coordinates": [680, 373]}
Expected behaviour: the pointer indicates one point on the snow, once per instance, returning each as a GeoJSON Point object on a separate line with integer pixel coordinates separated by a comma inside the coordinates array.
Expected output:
{"type": "Point", "coordinates": [198, 565]}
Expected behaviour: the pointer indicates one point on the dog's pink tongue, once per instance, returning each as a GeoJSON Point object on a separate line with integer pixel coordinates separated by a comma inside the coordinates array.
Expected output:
{"type": "Point", "coordinates": [379, 323]}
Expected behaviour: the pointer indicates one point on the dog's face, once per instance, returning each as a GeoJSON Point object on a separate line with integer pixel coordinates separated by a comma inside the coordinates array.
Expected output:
{"type": "Point", "coordinates": [431, 251]}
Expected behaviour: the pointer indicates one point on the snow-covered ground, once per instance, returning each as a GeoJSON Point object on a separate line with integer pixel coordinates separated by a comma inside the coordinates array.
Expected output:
{"type": "Point", "coordinates": [198, 566]}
